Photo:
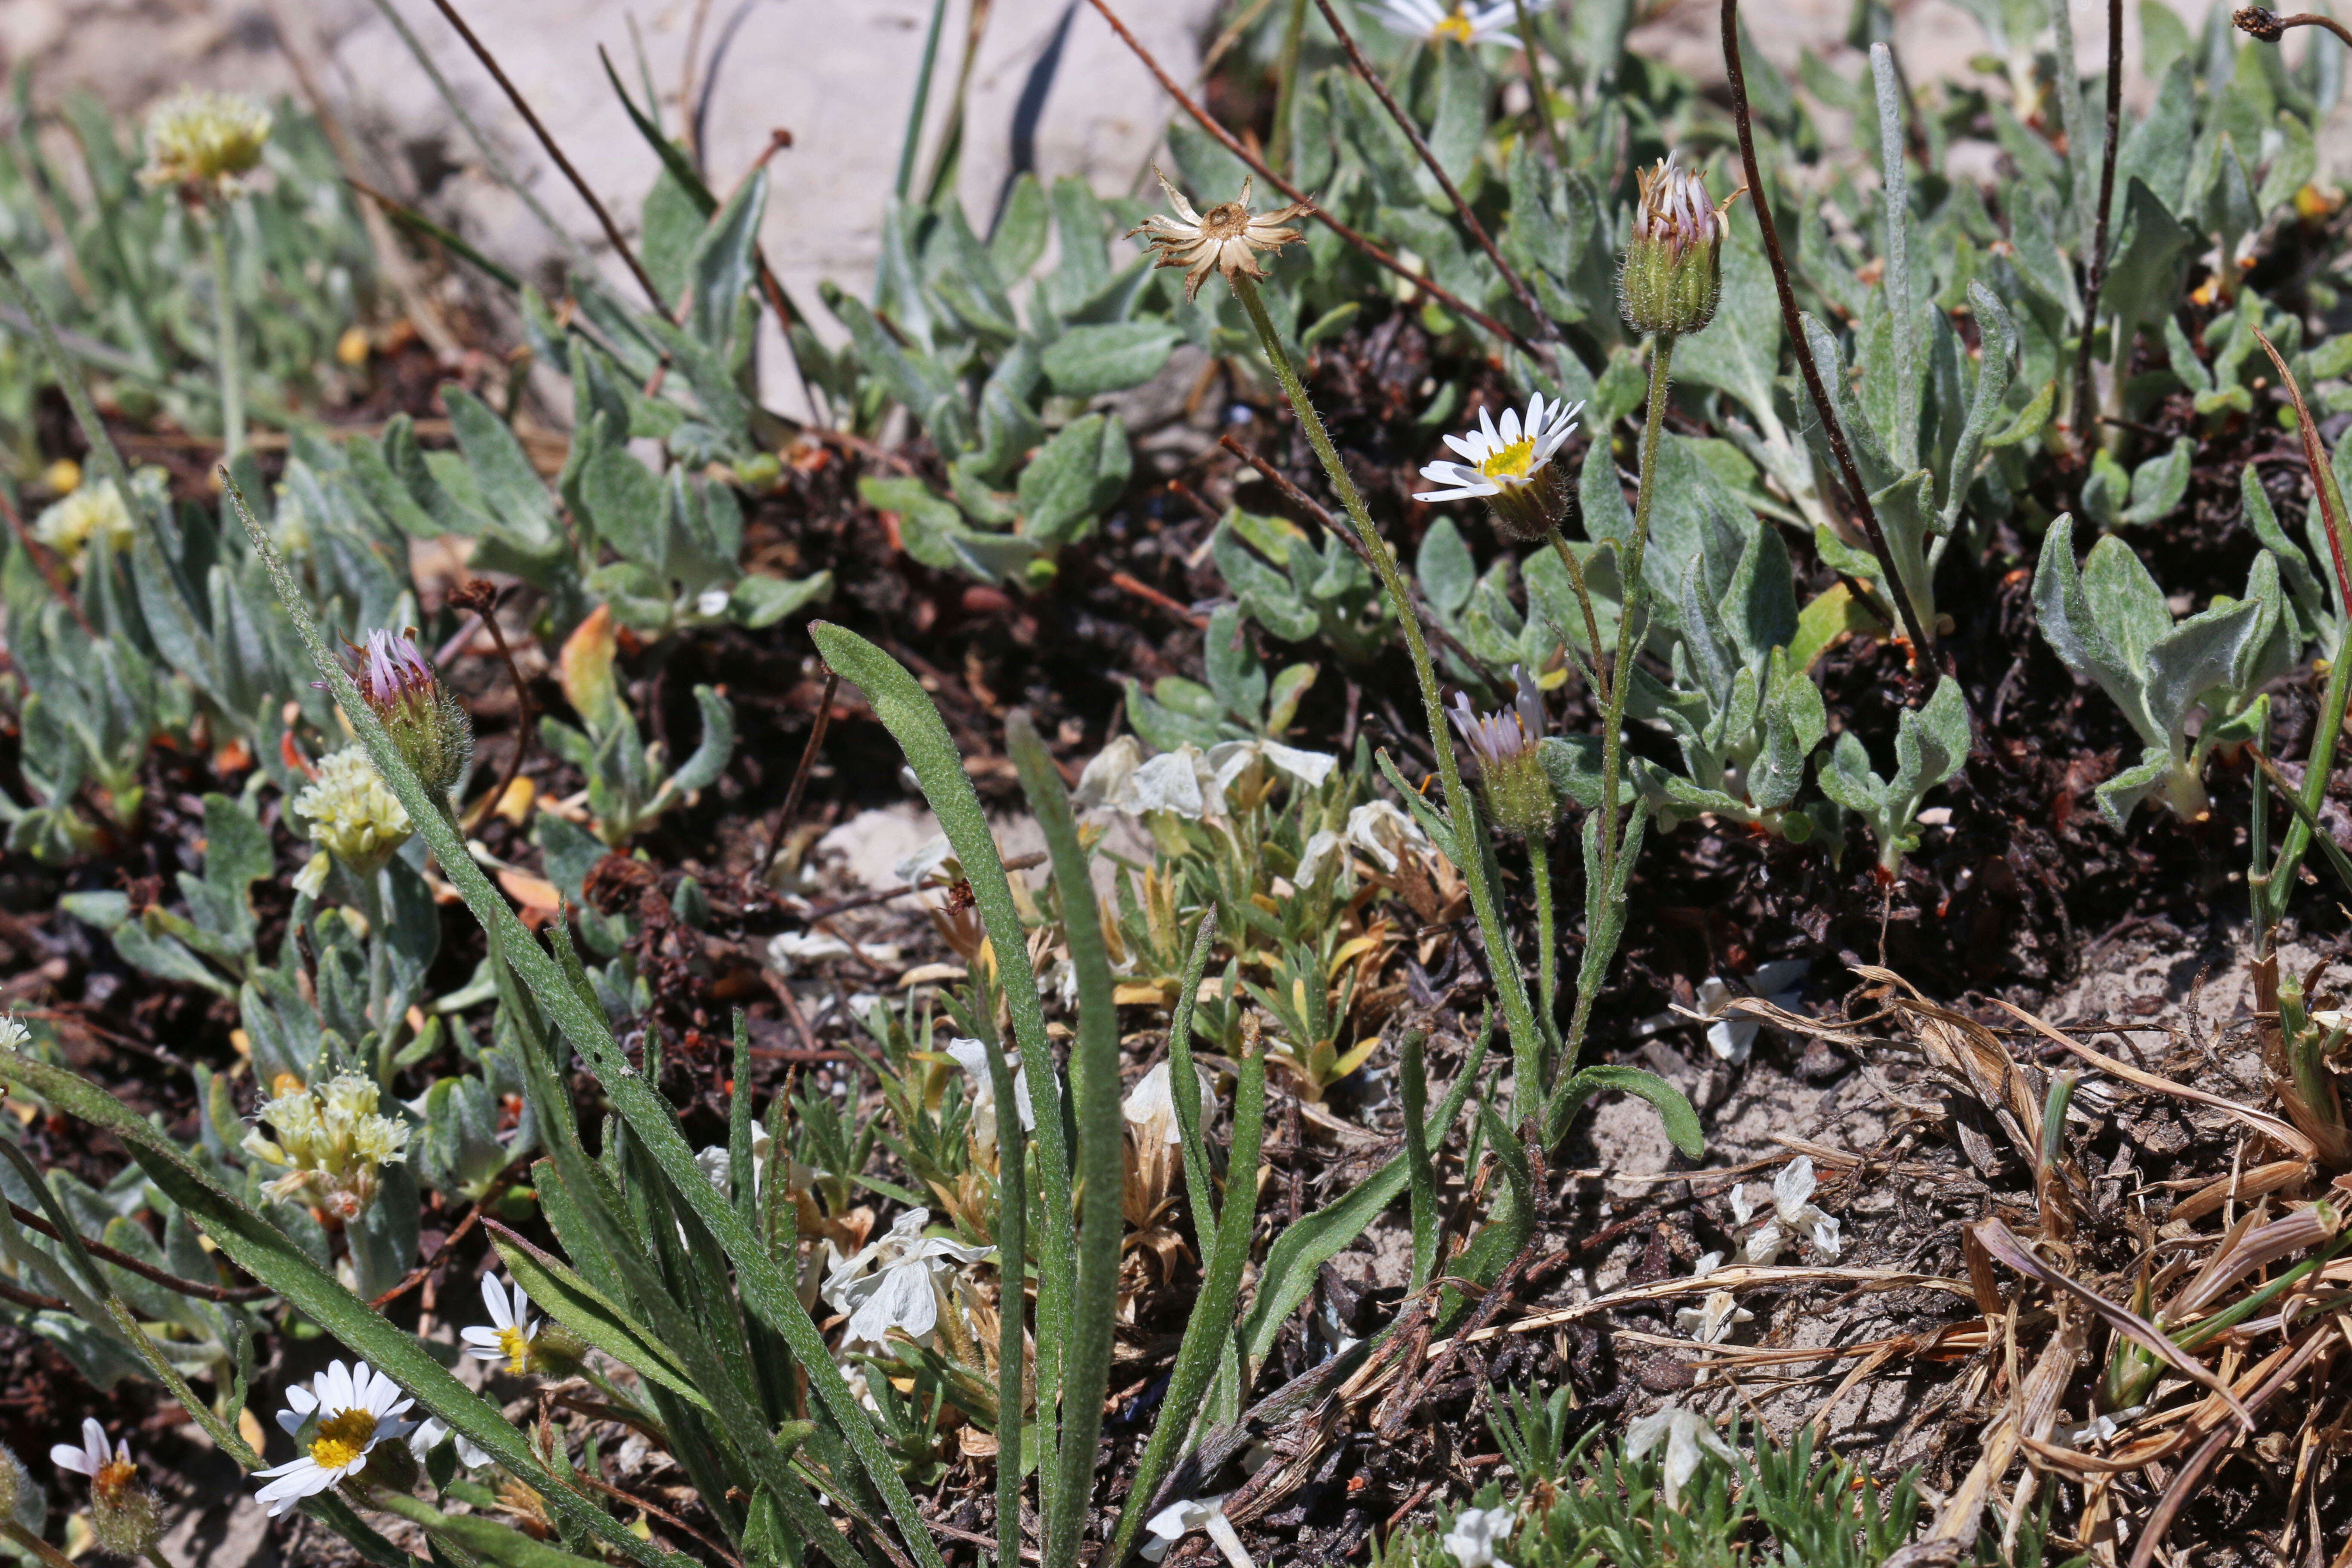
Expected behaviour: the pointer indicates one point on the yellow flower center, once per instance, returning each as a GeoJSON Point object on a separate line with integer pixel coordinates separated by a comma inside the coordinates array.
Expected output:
{"type": "Point", "coordinates": [342, 1440]}
{"type": "Point", "coordinates": [516, 1347]}
{"type": "Point", "coordinates": [112, 1479]}
{"type": "Point", "coordinates": [1510, 462]}
{"type": "Point", "coordinates": [1455, 26]}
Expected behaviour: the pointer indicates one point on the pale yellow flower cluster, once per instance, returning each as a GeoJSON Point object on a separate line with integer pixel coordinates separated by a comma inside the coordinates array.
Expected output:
{"type": "Point", "coordinates": [201, 142]}
{"type": "Point", "coordinates": [329, 1139]}
{"type": "Point", "coordinates": [350, 815]}
{"type": "Point", "coordinates": [92, 510]}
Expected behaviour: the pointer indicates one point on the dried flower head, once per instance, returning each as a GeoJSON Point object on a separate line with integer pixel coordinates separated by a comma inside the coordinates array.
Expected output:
{"type": "Point", "coordinates": [14, 1035]}
{"type": "Point", "coordinates": [902, 1292]}
{"type": "Point", "coordinates": [92, 510]}
{"type": "Point", "coordinates": [355, 1409]}
{"type": "Point", "coordinates": [123, 1515]}
{"type": "Point", "coordinates": [1224, 239]}
{"type": "Point", "coordinates": [204, 141]}
{"type": "Point", "coordinates": [1793, 1213]}
{"type": "Point", "coordinates": [1688, 1437]}
{"type": "Point", "coordinates": [329, 1139]}
{"type": "Point", "coordinates": [1510, 466]}
{"type": "Point", "coordinates": [1672, 272]}
{"type": "Point", "coordinates": [1519, 796]}
{"type": "Point", "coordinates": [1456, 20]}
{"type": "Point", "coordinates": [351, 815]}
{"type": "Point", "coordinates": [429, 725]}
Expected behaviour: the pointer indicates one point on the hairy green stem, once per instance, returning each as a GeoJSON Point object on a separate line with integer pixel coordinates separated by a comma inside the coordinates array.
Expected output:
{"type": "Point", "coordinates": [1461, 810]}
{"type": "Point", "coordinates": [41, 1551]}
{"type": "Point", "coordinates": [1575, 570]}
{"type": "Point", "coordinates": [231, 365]}
{"type": "Point", "coordinates": [1546, 941]}
{"type": "Point", "coordinates": [1613, 723]}
{"type": "Point", "coordinates": [1277, 148]}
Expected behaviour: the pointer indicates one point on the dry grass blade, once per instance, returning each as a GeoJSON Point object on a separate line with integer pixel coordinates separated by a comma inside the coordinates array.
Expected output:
{"type": "Point", "coordinates": [2031, 1413]}
{"type": "Point", "coordinates": [2282, 1132]}
{"type": "Point", "coordinates": [1999, 1240]}
{"type": "Point", "coordinates": [1732, 1276]}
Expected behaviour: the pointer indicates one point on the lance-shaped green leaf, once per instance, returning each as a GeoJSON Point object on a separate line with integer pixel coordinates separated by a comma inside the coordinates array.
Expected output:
{"type": "Point", "coordinates": [765, 1286]}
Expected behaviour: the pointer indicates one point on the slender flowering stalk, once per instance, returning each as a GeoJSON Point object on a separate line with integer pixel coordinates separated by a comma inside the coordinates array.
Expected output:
{"type": "Point", "coordinates": [1527, 1041]}
{"type": "Point", "coordinates": [202, 144]}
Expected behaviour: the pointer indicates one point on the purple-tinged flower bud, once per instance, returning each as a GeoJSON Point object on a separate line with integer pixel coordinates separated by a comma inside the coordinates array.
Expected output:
{"type": "Point", "coordinates": [428, 724]}
{"type": "Point", "coordinates": [1672, 272]}
{"type": "Point", "coordinates": [1519, 796]}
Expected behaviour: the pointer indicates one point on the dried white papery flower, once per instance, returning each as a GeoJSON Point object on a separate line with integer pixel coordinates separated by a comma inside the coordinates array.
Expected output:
{"type": "Point", "coordinates": [356, 1408]}
{"type": "Point", "coordinates": [14, 1035]}
{"type": "Point", "coordinates": [331, 1140]}
{"type": "Point", "coordinates": [1173, 1523]}
{"type": "Point", "coordinates": [902, 1290]}
{"type": "Point", "coordinates": [1688, 1435]}
{"type": "Point", "coordinates": [1477, 1535]}
{"type": "Point", "coordinates": [1226, 238]}
{"type": "Point", "coordinates": [1793, 1214]}
{"type": "Point", "coordinates": [1172, 782]}
{"type": "Point", "coordinates": [1150, 1106]}
{"type": "Point", "coordinates": [1380, 832]}
{"type": "Point", "coordinates": [1106, 771]}
{"type": "Point", "coordinates": [204, 141]}
{"type": "Point", "coordinates": [1711, 1322]}
{"type": "Point", "coordinates": [973, 1056]}
{"type": "Point", "coordinates": [349, 814]}
{"type": "Point", "coordinates": [1732, 1038]}
{"type": "Point", "coordinates": [1228, 759]}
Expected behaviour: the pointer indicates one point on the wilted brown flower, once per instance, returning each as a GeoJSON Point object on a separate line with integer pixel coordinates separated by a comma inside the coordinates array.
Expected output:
{"type": "Point", "coordinates": [1224, 239]}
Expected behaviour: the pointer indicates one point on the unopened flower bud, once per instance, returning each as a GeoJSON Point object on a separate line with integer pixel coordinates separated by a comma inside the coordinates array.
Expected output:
{"type": "Point", "coordinates": [1672, 272]}
{"type": "Point", "coordinates": [427, 723]}
{"type": "Point", "coordinates": [1518, 792]}
{"type": "Point", "coordinates": [19, 1493]}
{"type": "Point", "coordinates": [392, 1465]}
{"type": "Point", "coordinates": [556, 1352]}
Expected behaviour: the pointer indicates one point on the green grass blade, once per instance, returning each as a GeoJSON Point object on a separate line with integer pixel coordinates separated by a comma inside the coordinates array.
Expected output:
{"type": "Point", "coordinates": [1421, 1171]}
{"type": "Point", "coordinates": [262, 1250]}
{"type": "Point", "coordinates": [914, 721]}
{"type": "Point", "coordinates": [1210, 1330]}
{"type": "Point", "coordinates": [1184, 1091]}
{"type": "Point", "coordinates": [1102, 1144]}
{"type": "Point", "coordinates": [765, 1286]}
{"type": "Point", "coordinates": [1292, 1260]}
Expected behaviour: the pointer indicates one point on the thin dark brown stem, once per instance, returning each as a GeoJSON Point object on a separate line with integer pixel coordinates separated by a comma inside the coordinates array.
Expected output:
{"type": "Point", "coordinates": [1322, 515]}
{"type": "Point", "coordinates": [2268, 26]}
{"type": "Point", "coordinates": [1540, 101]}
{"type": "Point", "coordinates": [801, 773]}
{"type": "Point", "coordinates": [485, 603]}
{"type": "Point", "coordinates": [32, 1299]}
{"type": "Point", "coordinates": [1429, 160]}
{"type": "Point", "coordinates": [45, 561]}
{"type": "Point", "coordinates": [417, 1276]}
{"type": "Point", "coordinates": [2086, 427]}
{"type": "Point", "coordinates": [523, 107]}
{"type": "Point", "coordinates": [1762, 201]}
{"type": "Point", "coordinates": [165, 1277]}
{"type": "Point", "coordinates": [657, 1511]}
{"type": "Point", "coordinates": [1258, 166]}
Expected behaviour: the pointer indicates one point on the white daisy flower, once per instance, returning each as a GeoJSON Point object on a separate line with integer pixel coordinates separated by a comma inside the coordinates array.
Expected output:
{"type": "Point", "coordinates": [93, 1459]}
{"type": "Point", "coordinates": [1476, 1532]}
{"type": "Point", "coordinates": [1504, 457]}
{"type": "Point", "coordinates": [511, 1330]}
{"type": "Point", "coordinates": [356, 1408]}
{"type": "Point", "coordinates": [428, 1438]}
{"type": "Point", "coordinates": [1687, 1434]}
{"type": "Point", "coordinates": [1793, 1214]}
{"type": "Point", "coordinates": [902, 1291]}
{"type": "Point", "coordinates": [1455, 19]}
{"type": "Point", "coordinates": [1177, 1519]}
